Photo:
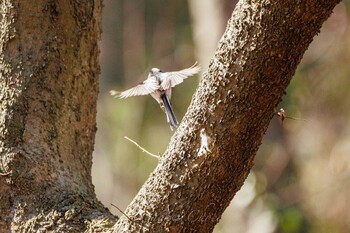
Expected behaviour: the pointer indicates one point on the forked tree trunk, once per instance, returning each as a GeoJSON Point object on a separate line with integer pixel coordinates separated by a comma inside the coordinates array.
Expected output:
{"type": "Point", "coordinates": [212, 152]}
{"type": "Point", "coordinates": [48, 90]}
{"type": "Point", "coordinates": [49, 85]}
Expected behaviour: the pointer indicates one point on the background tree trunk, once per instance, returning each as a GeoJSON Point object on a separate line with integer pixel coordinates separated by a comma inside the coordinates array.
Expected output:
{"type": "Point", "coordinates": [212, 152]}
{"type": "Point", "coordinates": [49, 85]}
{"type": "Point", "coordinates": [207, 28]}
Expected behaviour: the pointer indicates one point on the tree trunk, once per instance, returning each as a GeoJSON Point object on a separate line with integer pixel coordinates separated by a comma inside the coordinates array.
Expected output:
{"type": "Point", "coordinates": [207, 28]}
{"type": "Point", "coordinates": [212, 152]}
{"type": "Point", "coordinates": [49, 85]}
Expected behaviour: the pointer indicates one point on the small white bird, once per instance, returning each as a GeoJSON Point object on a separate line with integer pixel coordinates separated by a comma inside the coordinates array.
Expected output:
{"type": "Point", "coordinates": [159, 85]}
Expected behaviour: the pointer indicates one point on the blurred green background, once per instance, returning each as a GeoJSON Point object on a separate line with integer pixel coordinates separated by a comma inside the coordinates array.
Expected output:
{"type": "Point", "coordinates": [301, 178]}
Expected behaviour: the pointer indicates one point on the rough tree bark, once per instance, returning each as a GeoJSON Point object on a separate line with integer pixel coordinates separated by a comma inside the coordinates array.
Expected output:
{"type": "Point", "coordinates": [48, 91]}
{"type": "Point", "coordinates": [48, 61]}
{"type": "Point", "coordinates": [212, 152]}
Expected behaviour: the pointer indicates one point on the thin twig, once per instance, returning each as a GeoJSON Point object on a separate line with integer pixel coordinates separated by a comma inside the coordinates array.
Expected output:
{"type": "Point", "coordinates": [296, 119]}
{"type": "Point", "coordinates": [143, 150]}
{"type": "Point", "coordinates": [282, 115]}
{"type": "Point", "coordinates": [121, 212]}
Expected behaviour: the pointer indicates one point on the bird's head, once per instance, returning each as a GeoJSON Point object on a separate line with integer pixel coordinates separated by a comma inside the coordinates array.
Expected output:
{"type": "Point", "coordinates": [155, 71]}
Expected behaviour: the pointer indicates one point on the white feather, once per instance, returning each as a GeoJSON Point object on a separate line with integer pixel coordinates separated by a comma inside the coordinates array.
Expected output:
{"type": "Point", "coordinates": [149, 86]}
{"type": "Point", "coordinates": [171, 79]}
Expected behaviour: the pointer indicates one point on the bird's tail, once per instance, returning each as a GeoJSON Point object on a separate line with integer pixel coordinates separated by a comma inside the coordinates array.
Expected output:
{"type": "Point", "coordinates": [169, 112]}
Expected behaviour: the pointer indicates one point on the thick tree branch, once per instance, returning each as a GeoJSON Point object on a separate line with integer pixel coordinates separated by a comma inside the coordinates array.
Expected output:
{"type": "Point", "coordinates": [231, 110]}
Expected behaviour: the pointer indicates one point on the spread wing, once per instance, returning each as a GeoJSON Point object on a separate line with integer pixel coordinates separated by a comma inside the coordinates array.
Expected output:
{"type": "Point", "coordinates": [172, 79]}
{"type": "Point", "coordinates": [147, 87]}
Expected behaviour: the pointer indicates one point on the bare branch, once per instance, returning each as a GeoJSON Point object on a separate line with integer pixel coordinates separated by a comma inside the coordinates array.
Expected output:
{"type": "Point", "coordinates": [143, 150]}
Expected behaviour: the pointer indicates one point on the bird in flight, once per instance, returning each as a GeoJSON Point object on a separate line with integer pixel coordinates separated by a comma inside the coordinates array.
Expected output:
{"type": "Point", "coordinates": [159, 85]}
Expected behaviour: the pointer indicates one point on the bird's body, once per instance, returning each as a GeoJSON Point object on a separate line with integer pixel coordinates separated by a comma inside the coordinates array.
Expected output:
{"type": "Point", "coordinates": [159, 85]}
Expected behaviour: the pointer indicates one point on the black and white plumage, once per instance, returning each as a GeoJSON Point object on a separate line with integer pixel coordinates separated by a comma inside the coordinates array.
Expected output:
{"type": "Point", "coordinates": [159, 85]}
